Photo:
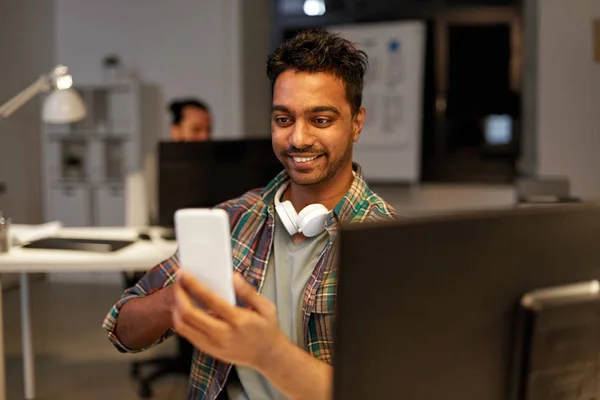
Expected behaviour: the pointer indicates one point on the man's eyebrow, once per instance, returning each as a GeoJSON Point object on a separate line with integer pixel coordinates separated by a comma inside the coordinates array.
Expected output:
{"type": "Point", "coordinates": [281, 108]}
{"type": "Point", "coordinates": [319, 109]}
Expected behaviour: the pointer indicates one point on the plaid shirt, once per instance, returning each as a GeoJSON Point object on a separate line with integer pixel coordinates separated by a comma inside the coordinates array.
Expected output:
{"type": "Point", "coordinates": [252, 224]}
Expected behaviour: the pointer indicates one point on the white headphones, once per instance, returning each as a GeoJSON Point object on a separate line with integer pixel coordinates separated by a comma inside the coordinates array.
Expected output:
{"type": "Point", "coordinates": [310, 221]}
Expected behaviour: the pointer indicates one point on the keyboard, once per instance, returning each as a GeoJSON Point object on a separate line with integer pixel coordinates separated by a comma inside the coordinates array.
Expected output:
{"type": "Point", "coordinates": [79, 244]}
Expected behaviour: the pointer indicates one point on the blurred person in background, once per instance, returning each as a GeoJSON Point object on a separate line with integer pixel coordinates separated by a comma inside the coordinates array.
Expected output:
{"type": "Point", "coordinates": [191, 120]}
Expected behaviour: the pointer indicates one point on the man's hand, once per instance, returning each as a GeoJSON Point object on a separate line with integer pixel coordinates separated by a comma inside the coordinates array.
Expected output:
{"type": "Point", "coordinates": [242, 336]}
{"type": "Point", "coordinates": [248, 337]}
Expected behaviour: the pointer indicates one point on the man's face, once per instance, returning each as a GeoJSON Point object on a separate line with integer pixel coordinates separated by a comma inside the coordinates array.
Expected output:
{"type": "Point", "coordinates": [194, 126]}
{"type": "Point", "coordinates": [312, 126]}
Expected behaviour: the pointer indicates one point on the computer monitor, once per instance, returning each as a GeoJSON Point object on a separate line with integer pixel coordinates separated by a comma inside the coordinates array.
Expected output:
{"type": "Point", "coordinates": [426, 307]}
{"type": "Point", "coordinates": [204, 174]}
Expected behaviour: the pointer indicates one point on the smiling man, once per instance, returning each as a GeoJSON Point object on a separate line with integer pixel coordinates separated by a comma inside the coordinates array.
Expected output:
{"type": "Point", "coordinates": [280, 343]}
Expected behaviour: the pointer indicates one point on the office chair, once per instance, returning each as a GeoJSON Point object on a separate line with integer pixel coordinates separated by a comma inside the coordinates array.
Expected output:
{"type": "Point", "coordinates": [181, 363]}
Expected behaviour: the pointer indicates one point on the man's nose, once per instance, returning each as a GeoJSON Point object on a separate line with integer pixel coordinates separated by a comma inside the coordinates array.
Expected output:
{"type": "Point", "coordinates": [301, 136]}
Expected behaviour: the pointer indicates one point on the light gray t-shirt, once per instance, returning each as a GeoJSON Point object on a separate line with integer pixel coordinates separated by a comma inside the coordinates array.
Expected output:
{"type": "Point", "coordinates": [288, 270]}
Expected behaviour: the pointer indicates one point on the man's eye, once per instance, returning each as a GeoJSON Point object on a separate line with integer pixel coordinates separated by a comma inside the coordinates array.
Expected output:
{"type": "Point", "coordinates": [321, 121]}
{"type": "Point", "coordinates": [282, 120]}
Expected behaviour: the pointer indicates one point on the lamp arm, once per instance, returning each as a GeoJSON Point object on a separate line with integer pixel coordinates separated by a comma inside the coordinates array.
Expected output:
{"type": "Point", "coordinates": [40, 85]}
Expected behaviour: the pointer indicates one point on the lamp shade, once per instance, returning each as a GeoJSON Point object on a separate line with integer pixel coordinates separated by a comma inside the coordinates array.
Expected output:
{"type": "Point", "coordinates": [63, 107]}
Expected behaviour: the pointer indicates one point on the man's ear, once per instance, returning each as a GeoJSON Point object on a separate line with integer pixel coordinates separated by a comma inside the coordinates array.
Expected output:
{"type": "Point", "coordinates": [359, 121]}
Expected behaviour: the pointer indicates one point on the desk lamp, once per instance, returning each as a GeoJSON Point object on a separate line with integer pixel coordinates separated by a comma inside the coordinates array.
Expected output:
{"type": "Point", "coordinates": [62, 106]}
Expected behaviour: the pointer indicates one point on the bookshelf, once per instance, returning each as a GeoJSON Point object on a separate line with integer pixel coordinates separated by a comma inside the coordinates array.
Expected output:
{"type": "Point", "coordinates": [85, 165]}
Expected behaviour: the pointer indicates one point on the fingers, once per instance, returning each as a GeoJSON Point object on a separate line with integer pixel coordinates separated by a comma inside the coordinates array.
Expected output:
{"type": "Point", "coordinates": [249, 295]}
{"type": "Point", "coordinates": [197, 337]}
{"type": "Point", "coordinates": [206, 297]}
{"type": "Point", "coordinates": [186, 313]}
{"type": "Point", "coordinates": [244, 291]}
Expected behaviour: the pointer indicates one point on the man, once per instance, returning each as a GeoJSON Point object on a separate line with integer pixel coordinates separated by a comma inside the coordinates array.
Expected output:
{"type": "Point", "coordinates": [191, 121]}
{"type": "Point", "coordinates": [280, 343]}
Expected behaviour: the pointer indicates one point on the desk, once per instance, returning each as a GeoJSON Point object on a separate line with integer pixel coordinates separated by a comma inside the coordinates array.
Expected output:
{"type": "Point", "coordinates": [140, 256]}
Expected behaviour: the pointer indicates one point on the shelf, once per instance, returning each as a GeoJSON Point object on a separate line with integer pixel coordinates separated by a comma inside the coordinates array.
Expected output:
{"type": "Point", "coordinates": [80, 183]}
{"type": "Point", "coordinates": [71, 186]}
{"type": "Point", "coordinates": [124, 85]}
{"type": "Point", "coordinates": [85, 163]}
{"type": "Point", "coordinates": [62, 135]}
{"type": "Point", "coordinates": [89, 134]}
{"type": "Point", "coordinates": [71, 181]}
{"type": "Point", "coordinates": [113, 183]}
{"type": "Point", "coordinates": [114, 136]}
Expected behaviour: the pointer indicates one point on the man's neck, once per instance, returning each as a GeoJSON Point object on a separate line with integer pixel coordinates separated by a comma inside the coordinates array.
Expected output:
{"type": "Point", "coordinates": [327, 193]}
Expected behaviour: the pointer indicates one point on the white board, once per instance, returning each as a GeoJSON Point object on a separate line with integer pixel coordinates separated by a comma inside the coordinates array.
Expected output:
{"type": "Point", "coordinates": [389, 149]}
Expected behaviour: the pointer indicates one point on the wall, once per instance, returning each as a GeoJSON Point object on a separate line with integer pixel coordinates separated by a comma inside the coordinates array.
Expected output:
{"type": "Point", "coordinates": [256, 89]}
{"type": "Point", "coordinates": [26, 43]}
{"type": "Point", "coordinates": [568, 94]}
{"type": "Point", "coordinates": [528, 162]}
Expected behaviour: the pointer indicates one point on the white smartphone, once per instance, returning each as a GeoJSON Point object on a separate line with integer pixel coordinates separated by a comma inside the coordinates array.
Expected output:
{"type": "Point", "coordinates": [204, 247]}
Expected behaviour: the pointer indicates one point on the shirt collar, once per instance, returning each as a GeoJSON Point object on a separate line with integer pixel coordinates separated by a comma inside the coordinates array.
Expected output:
{"type": "Point", "coordinates": [344, 210]}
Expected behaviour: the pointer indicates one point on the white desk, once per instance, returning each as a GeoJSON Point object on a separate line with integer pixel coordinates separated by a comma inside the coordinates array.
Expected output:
{"type": "Point", "coordinates": [140, 256]}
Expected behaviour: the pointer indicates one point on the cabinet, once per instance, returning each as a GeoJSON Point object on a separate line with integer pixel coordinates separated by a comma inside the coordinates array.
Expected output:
{"type": "Point", "coordinates": [70, 204]}
{"type": "Point", "coordinates": [109, 205]}
{"type": "Point", "coordinates": [85, 165]}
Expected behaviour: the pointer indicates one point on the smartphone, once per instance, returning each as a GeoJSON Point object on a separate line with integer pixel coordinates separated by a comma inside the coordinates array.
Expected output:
{"type": "Point", "coordinates": [204, 248]}
{"type": "Point", "coordinates": [560, 343]}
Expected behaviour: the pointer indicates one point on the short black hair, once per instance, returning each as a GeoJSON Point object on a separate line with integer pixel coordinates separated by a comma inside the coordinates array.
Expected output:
{"type": "Point", "coordinates": [322, 51]}
{"type": "Point", "coordinates": [176, 108]}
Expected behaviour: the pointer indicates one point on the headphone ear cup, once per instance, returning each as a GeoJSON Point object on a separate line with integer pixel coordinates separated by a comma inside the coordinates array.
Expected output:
{"type": "Point", "coordinates": [311, 220]}
{"type": "Point", "coordinates": [288, 216]}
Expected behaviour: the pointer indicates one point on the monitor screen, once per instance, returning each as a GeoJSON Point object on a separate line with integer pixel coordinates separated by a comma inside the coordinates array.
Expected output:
{"type": "Point", "coordinates": [205, 174]}
{"type": "Point", "coordinates": [427, 307]}
{"type": "Point", "coordinates": [498, 129]}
